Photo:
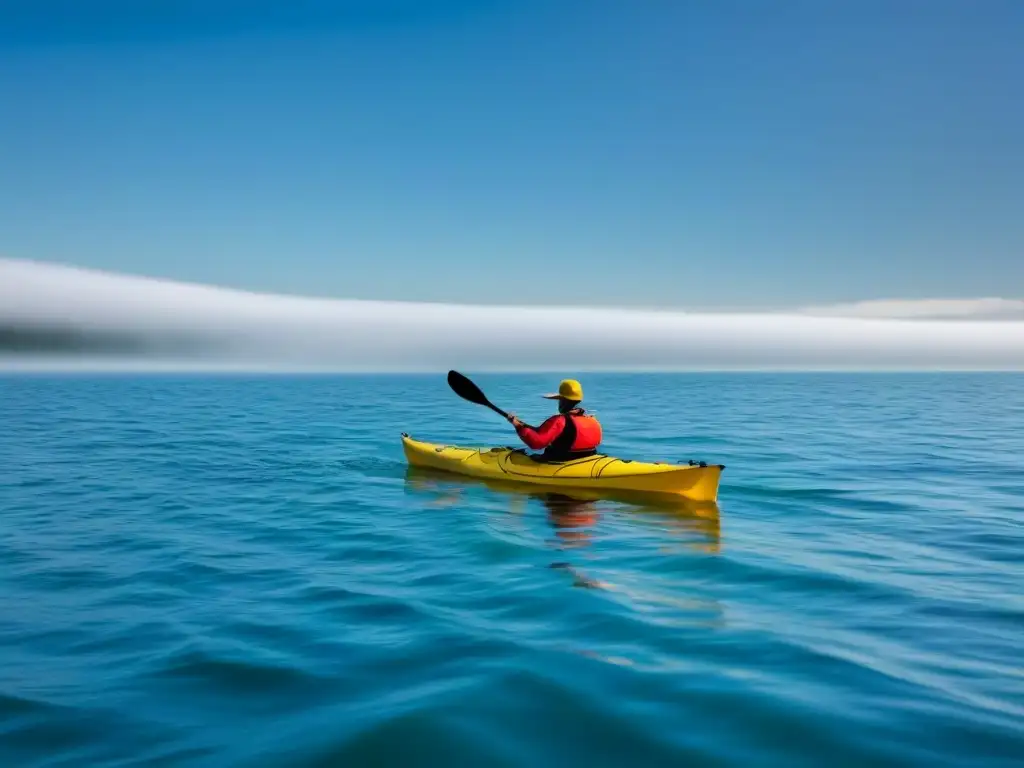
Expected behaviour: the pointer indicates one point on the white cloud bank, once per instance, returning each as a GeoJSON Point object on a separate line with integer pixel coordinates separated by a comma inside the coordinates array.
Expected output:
{"type": "Point", "coordinates": [927, 309]}
{"type": "Point", "coordinates": [158, 323]}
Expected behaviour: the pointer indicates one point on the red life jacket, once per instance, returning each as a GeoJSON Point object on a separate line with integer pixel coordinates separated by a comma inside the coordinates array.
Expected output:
{"type": "Point", "coordinates": [588, 432]}
{"type": "Point", "coordinates": [564, 436]}
{"type": "Point", "coordinates": [580, 436]}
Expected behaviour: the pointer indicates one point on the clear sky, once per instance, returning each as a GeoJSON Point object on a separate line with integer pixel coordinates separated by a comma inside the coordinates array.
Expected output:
{"type": "Point", "coordinates": [658, 153]}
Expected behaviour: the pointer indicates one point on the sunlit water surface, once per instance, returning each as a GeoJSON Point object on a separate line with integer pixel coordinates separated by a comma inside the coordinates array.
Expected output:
{"type": "Point", "coordinates": [239, 571]}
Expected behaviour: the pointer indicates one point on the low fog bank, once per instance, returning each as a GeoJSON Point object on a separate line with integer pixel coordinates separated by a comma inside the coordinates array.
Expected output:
{"type": "Point", "coordinates": [55, 316]}
{"type": "Point", "coordinates": [927, 309]}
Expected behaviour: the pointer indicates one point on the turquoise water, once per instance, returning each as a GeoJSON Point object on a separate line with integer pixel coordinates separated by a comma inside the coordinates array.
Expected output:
{"type": "Point", "coordinates": [239, 571]}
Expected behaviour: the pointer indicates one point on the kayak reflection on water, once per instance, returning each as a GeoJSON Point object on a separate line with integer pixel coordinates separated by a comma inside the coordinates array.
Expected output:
{"type": "Point", "coordinates": [574, 513]}
{"type": "Point", "coordinates": [569, 517]}
{"type": "Point", "coordinates": [574, 518]}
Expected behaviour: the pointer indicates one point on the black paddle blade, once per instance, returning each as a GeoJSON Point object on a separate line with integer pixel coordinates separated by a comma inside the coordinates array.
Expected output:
{"type": "Point", "coordinates": [466, 389]}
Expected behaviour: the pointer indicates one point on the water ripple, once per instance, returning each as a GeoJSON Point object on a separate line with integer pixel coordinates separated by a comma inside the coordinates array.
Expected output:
{"type": "Point", "coordinates": [241, 571]}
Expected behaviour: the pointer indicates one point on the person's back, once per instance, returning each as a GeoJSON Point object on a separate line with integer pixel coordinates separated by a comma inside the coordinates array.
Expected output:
{"type": "Point", "coordinates": [571, 433]}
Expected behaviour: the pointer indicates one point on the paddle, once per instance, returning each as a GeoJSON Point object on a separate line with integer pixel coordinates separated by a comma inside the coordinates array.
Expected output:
{"type": "Point", "coordinates": [467, 390]}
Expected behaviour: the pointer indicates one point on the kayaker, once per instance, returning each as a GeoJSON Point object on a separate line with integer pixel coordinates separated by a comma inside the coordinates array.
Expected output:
{"type": "Point", "coordinates": [571, 433]}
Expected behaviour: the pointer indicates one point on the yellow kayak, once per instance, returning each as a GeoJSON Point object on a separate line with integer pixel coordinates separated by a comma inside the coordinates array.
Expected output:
{"type": "Point", "coordinates": [598, 472]}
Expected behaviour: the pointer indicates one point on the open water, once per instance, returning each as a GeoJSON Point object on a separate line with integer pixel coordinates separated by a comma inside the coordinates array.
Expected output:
{"type": "Point", "coordinates": [238, 570]}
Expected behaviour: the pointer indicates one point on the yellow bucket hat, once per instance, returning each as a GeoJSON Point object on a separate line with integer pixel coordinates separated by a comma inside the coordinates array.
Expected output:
{"type": "Point", "coordinates": [569, 389]}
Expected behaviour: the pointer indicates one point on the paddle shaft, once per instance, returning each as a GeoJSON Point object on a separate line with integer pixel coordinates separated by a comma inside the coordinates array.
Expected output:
{"type": "Point", "coordinates": [497, 410]}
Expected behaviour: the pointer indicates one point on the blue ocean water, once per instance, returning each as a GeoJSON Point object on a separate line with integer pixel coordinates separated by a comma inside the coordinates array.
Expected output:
{"type": "Point", "coordinates": [238, 570]}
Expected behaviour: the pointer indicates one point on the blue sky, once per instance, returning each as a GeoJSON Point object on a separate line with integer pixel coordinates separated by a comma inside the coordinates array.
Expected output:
{"type": "Point", "coordinates": [727, 154]}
